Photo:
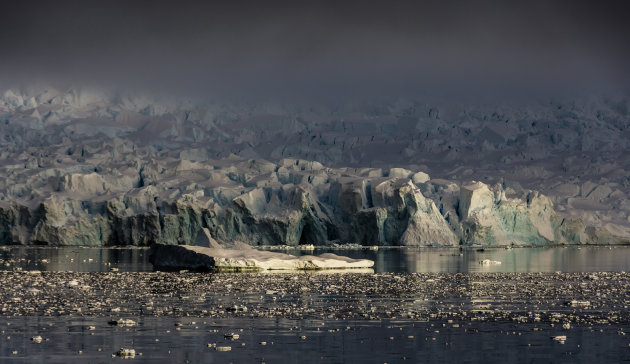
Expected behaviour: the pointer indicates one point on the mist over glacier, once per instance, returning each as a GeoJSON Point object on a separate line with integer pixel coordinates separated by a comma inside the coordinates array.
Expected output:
{"type": "Point", "coordinates": [283, 50]}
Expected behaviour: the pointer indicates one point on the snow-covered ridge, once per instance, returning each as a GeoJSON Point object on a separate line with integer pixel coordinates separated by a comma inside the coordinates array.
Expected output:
{"type": "Point", "coordinates": [92, 162]}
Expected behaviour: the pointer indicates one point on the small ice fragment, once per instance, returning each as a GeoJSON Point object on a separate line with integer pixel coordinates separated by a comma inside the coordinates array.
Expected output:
{"type": "Point", "coordinates": [560, 338]}
{"type": "Point", "coordinates": [123, 322]}
{"type": "Point", "coordinates": [126, 353]}
{"type": "Point", "coordinates": [489, 262]}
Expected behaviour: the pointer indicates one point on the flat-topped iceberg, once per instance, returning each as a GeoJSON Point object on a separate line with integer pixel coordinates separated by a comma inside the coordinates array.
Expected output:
{"type": "Point", "coordinates": [174, 257]}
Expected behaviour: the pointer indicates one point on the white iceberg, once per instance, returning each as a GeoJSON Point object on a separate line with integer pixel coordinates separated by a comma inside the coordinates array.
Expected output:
{"type": "Point", "coordinates": [175, 257]}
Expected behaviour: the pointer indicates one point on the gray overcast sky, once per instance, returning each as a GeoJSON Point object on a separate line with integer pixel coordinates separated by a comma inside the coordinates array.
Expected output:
{"type": "Point", "coordinates": [318, 47]}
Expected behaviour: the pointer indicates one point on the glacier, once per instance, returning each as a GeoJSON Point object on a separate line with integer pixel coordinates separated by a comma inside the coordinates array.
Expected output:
{"type": "Point", "coordinates": [92, 168]}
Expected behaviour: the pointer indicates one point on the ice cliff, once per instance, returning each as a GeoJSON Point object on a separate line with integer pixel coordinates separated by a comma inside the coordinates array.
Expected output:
{"type": "Point", "coordinates": [90, 168]}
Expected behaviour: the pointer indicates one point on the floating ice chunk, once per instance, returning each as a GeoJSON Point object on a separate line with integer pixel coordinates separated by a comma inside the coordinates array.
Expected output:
{"type": "Point", "coordinates": [126, 353]}
{"type": "Point", "coordinates": [173, 257]}
{"type": "Point", "coordinates": [560, 338]}
{"type": "Point", "coordinates": [73, 283]}
{"type": "Point", "coordinates": [489, 262]}
{"type": "Point", "coordinates": [123, 322]}
{"type": "Point", "coordinates": [578, 303]}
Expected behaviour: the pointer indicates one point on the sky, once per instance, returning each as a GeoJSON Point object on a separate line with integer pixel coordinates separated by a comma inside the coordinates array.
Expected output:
{"type": "Point", "coordinates": [280, 49]}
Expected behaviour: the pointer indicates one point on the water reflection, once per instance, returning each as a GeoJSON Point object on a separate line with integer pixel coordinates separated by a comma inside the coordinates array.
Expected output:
{"type": "Point", "coordinates": [76, 259]}
{"type": "Point", "coordinates": [303, 341]}
{"type": "Point", "coordinates": [521, 260]}
{"type": "Point", "coordinates": [398, 260]}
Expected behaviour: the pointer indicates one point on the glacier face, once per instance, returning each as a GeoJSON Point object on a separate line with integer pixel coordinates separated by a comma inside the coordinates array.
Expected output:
{"type": "Point", "coordinates": [95, 168]}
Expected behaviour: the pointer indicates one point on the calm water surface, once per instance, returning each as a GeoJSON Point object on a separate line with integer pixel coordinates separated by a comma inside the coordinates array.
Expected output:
{"type": "Point", "coordinates": [76, 259]}
{"type": "Point", "coordinates": [186, 340]}
{"type": "Point", "coordinates": [398, 260]}
{"type": "Point", "coordinates": [518, 260]}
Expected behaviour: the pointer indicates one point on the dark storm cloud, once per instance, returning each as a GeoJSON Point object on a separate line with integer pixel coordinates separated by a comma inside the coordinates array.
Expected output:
{"type": "Point", "coordinates": [284, 48]}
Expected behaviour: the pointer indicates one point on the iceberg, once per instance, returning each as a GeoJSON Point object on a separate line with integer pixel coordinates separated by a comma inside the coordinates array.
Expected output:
{"type": "Point", "coordinates": [196, 258]}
